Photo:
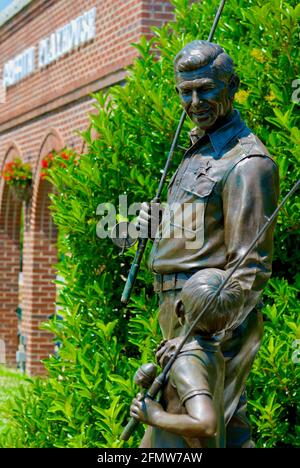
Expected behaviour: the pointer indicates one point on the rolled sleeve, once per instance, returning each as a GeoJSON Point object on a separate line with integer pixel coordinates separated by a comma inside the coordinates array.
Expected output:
{"type": "Point", "coordinates": [190, 378]}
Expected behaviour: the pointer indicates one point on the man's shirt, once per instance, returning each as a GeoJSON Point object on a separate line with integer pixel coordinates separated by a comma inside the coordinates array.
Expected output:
{"type": "Point", "coordinates": [219, 198]}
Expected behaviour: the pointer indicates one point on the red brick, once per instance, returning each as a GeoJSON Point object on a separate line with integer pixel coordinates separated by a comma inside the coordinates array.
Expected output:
{"type": "Point", "coordinates": [42, 113]}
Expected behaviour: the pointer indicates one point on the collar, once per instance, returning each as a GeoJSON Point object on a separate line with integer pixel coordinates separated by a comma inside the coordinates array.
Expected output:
{"type": "Point", "coordinates": [210, 344]}
{"type": "Point", "coordinates": [232, 127]}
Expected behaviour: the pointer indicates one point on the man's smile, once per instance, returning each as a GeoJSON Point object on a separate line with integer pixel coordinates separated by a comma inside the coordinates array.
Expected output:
{"type": "Point", "coordinates": [201, 113]}
{"type": "Point", "coordinates": [200, 116]}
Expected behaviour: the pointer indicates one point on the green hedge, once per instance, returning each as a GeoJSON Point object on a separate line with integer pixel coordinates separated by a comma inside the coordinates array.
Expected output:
{"type": "Point", "coordinates": [85, 401]}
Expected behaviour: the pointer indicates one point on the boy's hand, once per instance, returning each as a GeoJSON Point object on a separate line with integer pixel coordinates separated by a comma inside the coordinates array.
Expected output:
{"type": "Point", "coordinates": [145, 410]}
{"type": "Point", "coordinates": [166, 349]}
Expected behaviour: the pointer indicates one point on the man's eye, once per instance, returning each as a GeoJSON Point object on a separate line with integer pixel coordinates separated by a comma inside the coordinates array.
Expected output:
{"type": "Point", "coordinates": [185, 92]}
{"type": "Point", "coordinates": [207, 88]}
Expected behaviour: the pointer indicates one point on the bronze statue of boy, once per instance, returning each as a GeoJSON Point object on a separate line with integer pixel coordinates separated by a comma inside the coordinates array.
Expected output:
{"type": "Point", "coordinates": [229, 177]}
{"type": "Point", "coordinates": [190, 413]}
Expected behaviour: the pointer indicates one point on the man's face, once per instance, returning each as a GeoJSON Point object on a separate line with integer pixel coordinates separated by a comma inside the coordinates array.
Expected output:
{"type": "Point", "coordinates": [203, 96]}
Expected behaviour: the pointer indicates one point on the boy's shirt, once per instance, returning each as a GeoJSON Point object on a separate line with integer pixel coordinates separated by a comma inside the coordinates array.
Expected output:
{"type": "Point", "coordinates": [198, 370]}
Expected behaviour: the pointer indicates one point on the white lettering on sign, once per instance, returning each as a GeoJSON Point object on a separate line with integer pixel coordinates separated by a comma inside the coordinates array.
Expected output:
{"type": "Point", "coordinates": [64, 40]}
{"type": "Point", "coordinates": [2, 92]}
{"type": "Point", "coordinates": [67, 38]}
{"type": "Point", "coordinates": [19, 67]}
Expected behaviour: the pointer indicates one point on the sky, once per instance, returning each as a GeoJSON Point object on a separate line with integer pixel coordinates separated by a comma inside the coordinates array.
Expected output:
{"type": "Point", "coordinates": [4, 4]}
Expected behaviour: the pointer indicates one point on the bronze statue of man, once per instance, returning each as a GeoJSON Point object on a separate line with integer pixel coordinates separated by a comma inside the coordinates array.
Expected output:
{"type": "Point", "coordinates": [229, 176]}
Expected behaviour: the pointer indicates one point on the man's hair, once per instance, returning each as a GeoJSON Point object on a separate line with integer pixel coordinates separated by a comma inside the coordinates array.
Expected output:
{"type": "Point", "coordinates": [198, 54]}
{"type": "Point", "coordinates": [222, 313]}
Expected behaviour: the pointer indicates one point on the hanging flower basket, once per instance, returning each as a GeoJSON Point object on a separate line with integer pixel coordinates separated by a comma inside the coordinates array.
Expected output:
{"type": "Point", "coordinates": [21, 192]}
{"type": "Point", "coordinates": [65, 158]}
{"type": "Point", "coordinates": [18, 176]}
{"type": "Point", "coordinates": [47, 163]}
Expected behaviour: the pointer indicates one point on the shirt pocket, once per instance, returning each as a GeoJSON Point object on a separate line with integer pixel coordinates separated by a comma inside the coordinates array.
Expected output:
{"type": "Point", "coordinates": [190, 216]}
{"type": "Point", "coordinates": [201, 187]}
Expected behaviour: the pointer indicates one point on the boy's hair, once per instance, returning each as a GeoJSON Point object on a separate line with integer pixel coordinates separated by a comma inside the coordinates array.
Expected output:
{"type": "Point", "coordinates": [223, 311]}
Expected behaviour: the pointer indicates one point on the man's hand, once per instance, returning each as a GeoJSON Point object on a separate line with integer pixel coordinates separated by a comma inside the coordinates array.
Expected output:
{"type": "Point", "coordinates": [145, 410]}
{"type": "Point", "coordinates": [148, 220]}
{"type": "Point", "coordinates": [166, 349]}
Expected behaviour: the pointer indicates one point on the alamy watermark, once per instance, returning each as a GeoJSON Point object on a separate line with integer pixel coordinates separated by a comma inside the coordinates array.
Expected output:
{"type": "Point", "coordinates": [2, 352]}
{"type": "Point", "coordinates": [296, 93]}
{"type": "Point", "coordinates": [179, 221]}
{"type": "Point", "coordinates": [296, 353]}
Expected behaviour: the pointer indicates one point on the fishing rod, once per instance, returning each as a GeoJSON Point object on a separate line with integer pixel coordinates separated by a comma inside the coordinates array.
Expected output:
{"type": "Point", "coordinates": [143, 241]}
{"type": "Point", "coordinates": [158, 382]}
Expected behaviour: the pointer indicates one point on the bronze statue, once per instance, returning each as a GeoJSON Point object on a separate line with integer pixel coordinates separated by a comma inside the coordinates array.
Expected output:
{"type": "Point", "coordinates": [228, 176]}
{"type": "Point", "coordinates": [190, 412]}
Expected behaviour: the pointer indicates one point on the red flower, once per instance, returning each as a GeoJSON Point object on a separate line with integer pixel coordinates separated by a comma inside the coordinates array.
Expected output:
{"type": "Point", "coordinates": [16, 171]}
{"type": "Point", "coordinates": [52, 160]}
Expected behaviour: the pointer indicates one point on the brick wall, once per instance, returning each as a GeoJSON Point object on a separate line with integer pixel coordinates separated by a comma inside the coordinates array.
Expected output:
{"type": "Point", "coordinates": [10, 218]}
{"type": "Point", "coordinates": [9, 273]}
{"type": "Point", "coordinates": [118, 24]}
{"type": "Point", "coordinates": [41, 113]}
{"type": "Point", "coordinates": [39, 290]}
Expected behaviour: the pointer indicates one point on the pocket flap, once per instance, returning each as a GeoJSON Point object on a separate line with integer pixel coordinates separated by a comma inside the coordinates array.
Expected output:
{"type": "Point", "coordinates": [203, 187]}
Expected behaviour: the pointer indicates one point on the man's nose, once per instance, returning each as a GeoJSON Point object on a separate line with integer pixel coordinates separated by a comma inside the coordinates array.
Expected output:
{"type": "Point", "coordinates": [195, 98]}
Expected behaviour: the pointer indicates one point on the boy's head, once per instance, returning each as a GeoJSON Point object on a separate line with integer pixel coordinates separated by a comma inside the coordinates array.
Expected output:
{"type": "Point", "coordinates": [196, 293]}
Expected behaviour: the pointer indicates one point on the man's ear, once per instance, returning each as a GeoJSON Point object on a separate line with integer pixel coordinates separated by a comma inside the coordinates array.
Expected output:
{"type": "Point", "coordinates": [179, 309]}
{"type": "Point", "coordinates": [233, 85]}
